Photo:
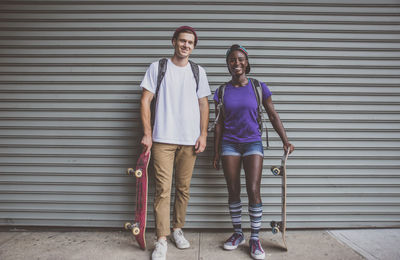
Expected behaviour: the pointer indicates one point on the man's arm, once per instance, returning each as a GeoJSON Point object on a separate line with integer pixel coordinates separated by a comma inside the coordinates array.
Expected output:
{"type": "Point", "coordinates": [145, 114]}
{"type": "Point", "coordinates": [202, 140]}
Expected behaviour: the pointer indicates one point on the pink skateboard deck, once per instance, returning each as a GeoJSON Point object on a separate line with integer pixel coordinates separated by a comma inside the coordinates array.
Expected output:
{"type": "Point", "coordinates": [138, 226]}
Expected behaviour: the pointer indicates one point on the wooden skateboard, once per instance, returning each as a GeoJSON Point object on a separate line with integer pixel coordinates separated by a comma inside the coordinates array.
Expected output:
{"type": "Point", "coordinates": [138, 226]}
{"type": "Point", "coordinates": [280, 226]}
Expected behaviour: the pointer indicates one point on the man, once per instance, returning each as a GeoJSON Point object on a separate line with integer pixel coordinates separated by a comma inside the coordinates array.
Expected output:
{"type": "Point", "coordinates": [179, 133]}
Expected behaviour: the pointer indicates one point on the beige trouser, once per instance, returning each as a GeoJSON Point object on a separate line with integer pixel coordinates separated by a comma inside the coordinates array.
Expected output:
{"type": "Point", "coordinates": [166, 157]}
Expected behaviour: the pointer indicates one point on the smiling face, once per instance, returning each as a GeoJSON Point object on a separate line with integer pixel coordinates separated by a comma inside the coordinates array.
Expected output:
{"type": "Point", "coordinates": [237, 63]}
{"type": "Point", "coordinates": [183, 45]}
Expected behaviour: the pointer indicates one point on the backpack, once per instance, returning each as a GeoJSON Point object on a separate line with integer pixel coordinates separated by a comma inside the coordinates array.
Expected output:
{"type": "Point", "coordinates": [258, 92]}
{"type": "Point", "coordinates": [162, 69]}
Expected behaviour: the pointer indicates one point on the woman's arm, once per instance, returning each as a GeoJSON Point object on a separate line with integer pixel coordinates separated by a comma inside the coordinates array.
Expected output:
{"type": "Point", "coordinates": [217, 137]}
{"type": "Point", "coordinates": [277, 124]}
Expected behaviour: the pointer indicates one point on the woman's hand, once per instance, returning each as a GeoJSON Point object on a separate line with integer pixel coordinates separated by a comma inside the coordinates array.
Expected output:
{"type": "Point", "coordinates": [216, 161]}
{"type": "Point", "coordinates": [288, 147]}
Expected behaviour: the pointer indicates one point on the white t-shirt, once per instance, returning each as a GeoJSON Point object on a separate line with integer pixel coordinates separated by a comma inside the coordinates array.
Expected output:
{"type": "Point", "coordinates": [177, 119]}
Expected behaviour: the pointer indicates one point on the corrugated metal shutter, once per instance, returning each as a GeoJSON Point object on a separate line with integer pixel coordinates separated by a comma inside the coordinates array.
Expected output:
{"type": "Point", "coordinates": [69, 104]}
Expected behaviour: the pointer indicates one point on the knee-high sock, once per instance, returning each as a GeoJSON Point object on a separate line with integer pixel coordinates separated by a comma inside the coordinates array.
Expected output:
{"type": "Point", "coordinates": [255, 212]}
{"type": "Point", "coordinates": [235, 209]}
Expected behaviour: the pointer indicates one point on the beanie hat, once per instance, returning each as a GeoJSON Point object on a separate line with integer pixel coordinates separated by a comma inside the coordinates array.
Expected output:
{"type": "Point", "coordinates": [237, 47]}
{"type": "Point", "coordinates": [185, 28]}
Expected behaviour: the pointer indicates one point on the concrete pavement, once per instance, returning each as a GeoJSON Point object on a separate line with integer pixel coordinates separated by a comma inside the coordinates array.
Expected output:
{"type": "Point", "coordinates": [119, 244]}
{"type": "Point", "coordinates": [373, 244]}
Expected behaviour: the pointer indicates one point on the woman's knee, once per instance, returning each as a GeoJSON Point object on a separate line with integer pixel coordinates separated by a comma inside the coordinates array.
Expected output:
{"type": "Point", "coordinates": [253, 192]}
{"type": "Point", "coordinates": [234, 192]}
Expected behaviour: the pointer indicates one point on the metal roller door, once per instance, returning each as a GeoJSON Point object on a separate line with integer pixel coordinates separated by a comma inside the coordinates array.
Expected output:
{"type": "Point", "coordinates": [69, 107]}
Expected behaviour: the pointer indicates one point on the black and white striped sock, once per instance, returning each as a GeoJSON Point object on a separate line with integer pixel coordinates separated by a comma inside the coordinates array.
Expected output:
{"type": "Point", "coordinates": [235, 209]}
{"type": "Point", "coordinates": [255, 212]}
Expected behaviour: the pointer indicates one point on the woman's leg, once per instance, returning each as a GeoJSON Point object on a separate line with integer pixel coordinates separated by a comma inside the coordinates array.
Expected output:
{"type": "Point", "coordinates": [252, 165]}
{"type": "Point", "coordinates": [231, 166]}
{"type": "Point", "coordinates": [253, 168]}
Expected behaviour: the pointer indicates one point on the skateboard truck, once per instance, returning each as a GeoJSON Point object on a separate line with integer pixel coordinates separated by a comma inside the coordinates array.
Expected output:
{"type": "Point", "coordinates": [135, 228]}
{"type": "Point", "coordinates": [276, 227]}
{"type": "Point", "coordinates": [277, 170]}
{"type": "Point", "coordinates": [138, 173]}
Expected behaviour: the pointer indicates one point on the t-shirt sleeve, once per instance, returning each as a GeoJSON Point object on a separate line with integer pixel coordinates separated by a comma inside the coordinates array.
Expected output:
{"type": "Point", "coordinates": [204, 87]}
{"type": "Point", "coordinates": [149, 81]}
{"type": "Point", "coordinates": [265, 90]}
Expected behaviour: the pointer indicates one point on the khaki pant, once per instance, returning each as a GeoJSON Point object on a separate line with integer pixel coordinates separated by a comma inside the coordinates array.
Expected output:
{"type": "Point", "coordinates": [166, 157]}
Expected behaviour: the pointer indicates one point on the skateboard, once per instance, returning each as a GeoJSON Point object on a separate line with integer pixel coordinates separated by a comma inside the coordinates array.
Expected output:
{"type": "Point", "coordinates": [280, 226]}
{"type": "Point", "coordinates": [138, 226]}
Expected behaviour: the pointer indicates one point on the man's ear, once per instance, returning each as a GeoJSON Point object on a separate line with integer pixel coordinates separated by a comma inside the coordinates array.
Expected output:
{"type": "Point", "coordinates": [173, 42]}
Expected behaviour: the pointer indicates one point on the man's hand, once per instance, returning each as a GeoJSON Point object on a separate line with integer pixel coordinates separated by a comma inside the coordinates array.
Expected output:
{"type": "Point", "coordinates": [147, 142]}
{"type": "Point", "coordinates": [200, 145]}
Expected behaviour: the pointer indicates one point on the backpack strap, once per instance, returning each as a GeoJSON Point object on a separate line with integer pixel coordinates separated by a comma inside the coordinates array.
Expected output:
{"type": "Point", "coordinates": [258, 92]}
{"type": "Point", "coordinates": [220, 107]}
{"type": "Point", "coordinates": [196, 73]}
{"type": "Point", "coordinates": [259, 96]}
{"type": "Point", "coordinates": [162, 68]}
{"type": "Point", "coordinates": [221, 95]}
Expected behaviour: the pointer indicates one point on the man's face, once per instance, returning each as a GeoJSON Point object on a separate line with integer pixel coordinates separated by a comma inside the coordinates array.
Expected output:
{"type": "Point", "coordinates": [184, 44]}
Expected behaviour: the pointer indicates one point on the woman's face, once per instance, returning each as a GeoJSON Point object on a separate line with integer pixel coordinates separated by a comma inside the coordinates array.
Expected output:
{"type": "Point", "coordinates": [237, 63]}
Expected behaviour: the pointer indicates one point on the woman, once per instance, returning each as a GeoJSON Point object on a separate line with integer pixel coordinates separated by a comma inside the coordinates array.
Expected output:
{"type": "Point", "coordinates": [237, 141]}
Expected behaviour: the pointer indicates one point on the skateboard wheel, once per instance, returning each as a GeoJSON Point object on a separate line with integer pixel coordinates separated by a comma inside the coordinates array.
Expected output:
{"type": "Point", "coordinates": [136, 231]}
{"type": "Point", "coordinates": [138, 173]}
{"type": "Point", "coordinates": [127, 225]}
{"type": "Point", "coordinates": [276, 170]}
{"type": "Point", "coordinates": [275, 227]}
{"type": "Point", "coordinates": [275, 230]}
{"type": "Point", "coordinates": [129, 171]}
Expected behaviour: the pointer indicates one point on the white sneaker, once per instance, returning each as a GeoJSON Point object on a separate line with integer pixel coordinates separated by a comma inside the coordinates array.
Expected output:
{"type": "Point", "coordinates": [179, 239]}
{"type": "Point", "coordinates": [160, 250]}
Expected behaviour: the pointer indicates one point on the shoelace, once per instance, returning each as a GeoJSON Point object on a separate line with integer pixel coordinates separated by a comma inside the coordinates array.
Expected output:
{"type": "Point", "coordinates": [158, 248]}
{"type": "Point", "coordinates": [255, 246]}
{"type": "Point", "coordinates": [179, 236]}
{"type": "Point", "coordinates": [234, 237]}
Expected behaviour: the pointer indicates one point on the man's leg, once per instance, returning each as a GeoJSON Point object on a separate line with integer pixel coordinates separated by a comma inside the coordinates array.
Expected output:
{"type": "Point", "coordinates": [163, 158]}
{"type": "Point", "coordinates": [184, 164]}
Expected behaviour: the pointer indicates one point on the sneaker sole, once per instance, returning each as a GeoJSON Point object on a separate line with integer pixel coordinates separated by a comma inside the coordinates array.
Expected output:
{"type": "Point", "coordinates": [182, 247]}
{"type": "Point", "coordinates": [258, 257]}
{"type": "Point", "coordinates": [226, 247]}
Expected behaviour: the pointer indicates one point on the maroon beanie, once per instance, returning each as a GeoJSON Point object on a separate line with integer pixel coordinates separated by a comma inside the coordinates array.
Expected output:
{"type": "Point", "coordinates": [185, 28]}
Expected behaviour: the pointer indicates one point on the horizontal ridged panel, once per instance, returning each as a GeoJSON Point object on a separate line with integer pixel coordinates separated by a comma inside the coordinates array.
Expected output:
{"type": "Point", "coordinates": [69, 107]}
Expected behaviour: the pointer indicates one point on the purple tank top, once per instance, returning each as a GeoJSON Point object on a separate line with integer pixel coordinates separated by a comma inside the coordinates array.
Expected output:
{"type": "Point", "coordinates": [240, 104]}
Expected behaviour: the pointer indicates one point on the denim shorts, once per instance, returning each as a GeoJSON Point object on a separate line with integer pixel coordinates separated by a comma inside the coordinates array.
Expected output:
{"type": "Point", "coordinates": [242, 149]}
